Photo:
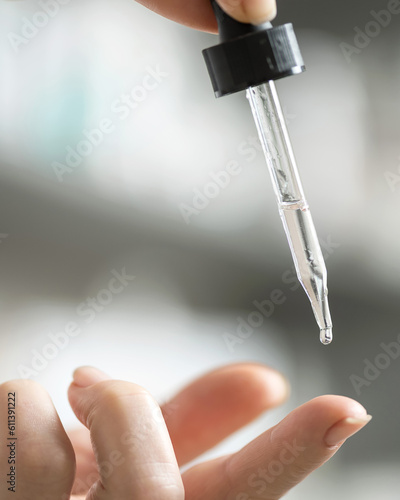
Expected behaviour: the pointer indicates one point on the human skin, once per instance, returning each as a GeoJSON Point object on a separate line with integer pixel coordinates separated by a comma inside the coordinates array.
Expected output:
{"type": "Point", "coordinates": [198, 14]}
{"type": "Point", "coordinates": [130, 448]}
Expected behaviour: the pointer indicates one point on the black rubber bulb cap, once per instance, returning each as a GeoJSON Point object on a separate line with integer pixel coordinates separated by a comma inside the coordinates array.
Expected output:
{"type": "Point", "coordinates": [250, 55]}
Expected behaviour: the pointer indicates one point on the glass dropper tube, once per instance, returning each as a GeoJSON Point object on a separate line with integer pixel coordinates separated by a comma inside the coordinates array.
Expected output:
{"type": "Point", "coordinates": [293, 207]}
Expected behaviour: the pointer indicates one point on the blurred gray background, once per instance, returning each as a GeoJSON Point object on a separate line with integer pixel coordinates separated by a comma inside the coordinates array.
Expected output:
{"type": "Point", "coordinates": [62, 235]}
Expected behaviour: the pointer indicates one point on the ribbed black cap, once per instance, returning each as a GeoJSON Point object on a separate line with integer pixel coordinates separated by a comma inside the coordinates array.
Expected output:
{"type": "Point", "coordinates": [249, 55]}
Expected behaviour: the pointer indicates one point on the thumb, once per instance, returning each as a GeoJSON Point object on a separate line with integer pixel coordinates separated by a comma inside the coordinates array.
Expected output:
{"type": "Point", "coordinates": [249, 11]}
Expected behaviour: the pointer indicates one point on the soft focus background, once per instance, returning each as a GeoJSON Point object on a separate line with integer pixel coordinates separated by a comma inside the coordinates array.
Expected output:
{"type": "Point", "coordinates": [63, 233]}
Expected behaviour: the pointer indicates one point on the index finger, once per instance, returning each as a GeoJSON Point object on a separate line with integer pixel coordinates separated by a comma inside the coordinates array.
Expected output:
{"type": "Point", "coordinates": [198, 14]}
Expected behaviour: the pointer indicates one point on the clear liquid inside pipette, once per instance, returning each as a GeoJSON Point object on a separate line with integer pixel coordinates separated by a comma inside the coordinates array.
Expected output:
{"type": "Point", "coordinates": [309, 263]}
{"type": "Point", "coordinates": [293, 207]}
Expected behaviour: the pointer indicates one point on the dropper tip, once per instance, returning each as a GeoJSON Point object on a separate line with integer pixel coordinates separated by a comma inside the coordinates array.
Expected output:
{"type": "Point", "coordinates": [325, 336]}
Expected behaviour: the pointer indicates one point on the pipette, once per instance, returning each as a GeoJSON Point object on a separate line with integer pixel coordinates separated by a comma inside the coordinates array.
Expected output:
{"type": "Point", "coordinates": [250, 58]}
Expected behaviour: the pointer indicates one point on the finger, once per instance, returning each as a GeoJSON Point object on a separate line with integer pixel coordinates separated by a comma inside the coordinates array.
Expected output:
{"type": "Point", "coordinates": [86, 466]}
{"type": "Point", "coordinates": [130, 439]}
{"type": "Point", "coordinates": [199, 14]}
{"type": "Point", "coordinates": [250, 11]}
{"type": "Point", "coordinates": [201, 415]}
{"type": "Point", "coordinates": [219, 403]}
{"type": "Point", "coordinates": [38, 447]}
{"type": "Point", "coordinates": [281, 457]}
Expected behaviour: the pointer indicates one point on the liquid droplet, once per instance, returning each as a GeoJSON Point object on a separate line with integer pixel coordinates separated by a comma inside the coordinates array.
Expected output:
{"type": "Point", "coordinates": [325, 336]}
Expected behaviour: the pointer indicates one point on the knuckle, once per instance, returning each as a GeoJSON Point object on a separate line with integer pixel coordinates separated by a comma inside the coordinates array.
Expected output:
{"type": "Point", "coordinates": [113, 395]}
{"type": "Point", "coordinates": [117, 392]}
{"type": "Point", "coordinates": [172, 491]}
{"type": "Point", "coordinates": [167, 482]}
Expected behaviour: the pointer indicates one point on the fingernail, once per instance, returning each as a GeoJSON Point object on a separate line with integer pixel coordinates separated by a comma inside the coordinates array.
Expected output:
{"type": "Point", "coordinates": [344, 429]}
{"type": "Point", "coordinates": [85, 376]}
